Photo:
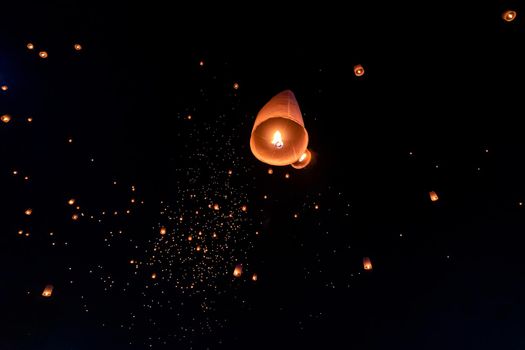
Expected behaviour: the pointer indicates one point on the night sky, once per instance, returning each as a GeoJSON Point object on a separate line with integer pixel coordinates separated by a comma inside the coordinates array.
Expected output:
{"type": "Point", "coordinates": [127, 181]}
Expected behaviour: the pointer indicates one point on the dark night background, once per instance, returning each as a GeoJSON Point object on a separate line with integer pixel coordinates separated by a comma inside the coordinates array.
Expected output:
{"type": "Point", "coordinates": [439, 108]}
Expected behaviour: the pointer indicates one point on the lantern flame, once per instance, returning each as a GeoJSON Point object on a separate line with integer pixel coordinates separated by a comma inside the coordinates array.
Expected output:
{"type": "Point", "coordinates": [367, 263]}
{"type": "Point", "coordinates": [277, 140]}
{"type": "Point", "coordinates": [48, 291]}
{"type": "Point", "coordinates": [237, 272]}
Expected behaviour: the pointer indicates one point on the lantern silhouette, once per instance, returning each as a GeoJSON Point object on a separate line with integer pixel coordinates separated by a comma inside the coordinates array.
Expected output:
{"type": "Point", "coordinates": [237, 272]}
{"type": "Point", "coordinates": [278, 135]}
{"type": "Point", "coordinates": [509, 15]}
{"type": "Point", "coordinates": [367, 263]}
{"type": "Point", "coordinates": [359, 70]}
{"type": "Point", "coordinates": [303, 160]}
{"type": "Point", "coordinates": [433, 196]}
{"type": "Point", "coordinates": [48, 291]}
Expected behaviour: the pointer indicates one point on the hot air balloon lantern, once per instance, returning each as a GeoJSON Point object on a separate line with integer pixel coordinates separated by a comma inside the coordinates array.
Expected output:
{"type": "Point", "coordinates": [6, 118]}
{"type": "Point", "coordinates": [237, 272]}
{"type": "Point", "coordinates": [4, 87]}
{"type": "Point", "coordinates": [367, 263]}
{"type": "Point", "coordinates": [303, 160]}
{"type": "Point", "coordinates": [30, 46]}
{"type": "Point", "coordinates": [77, 47]}
{"type": "Point", "coordinates": [509, 15]}
{"type": "Point", "coordinates": [163, 230]}
{"type": "Point", "coordinates": [278, 135]}
{"type": "Point", "coordinates": [43, 54]}
{"type": "Point", "coordinates": [254, 277]}
{"type": "Point", "coordinates": [48, 291]}
{"type": "Point", "coordinates": [359, 71]}
{"type": "Point", "coordinates": [433, 196]}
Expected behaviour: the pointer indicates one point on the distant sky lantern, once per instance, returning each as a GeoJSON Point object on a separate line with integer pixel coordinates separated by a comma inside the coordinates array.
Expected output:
{"type": "Point", "coordinates": [28, 211]}
{"type": "Point", "coordinates": [30, 46]}
{"type": "Point", "coordinates": [303, 160]}
{"type": "Point", "coordinates": [4, 87]}
{"type": "Point", "coordinates": [43, 54]}
{"type": "Point", "coordinates": [367, 263]}
{"type": "Point", "coordinates": [74, 217]}
{"type": "Point", "coordinates": [509, 15]}
{"type": "Point", "coordinates": [153, 276]}
{"type": "Point", "coordinates": [163, 231]}
{"type": "Point", "coordinates": [236, 86]}
{"type": "Point", "coordinates": [433, 196]}
{"type": "Point", "coordinates": [48, 291]}
{"type": "Point", "coordinates": [198, 248]}
{"type": "Point", "coordinates": [254, 277]}
{"type": "Point", "coordinates": [6, 118]}
{"type": "Point", "coordinates": [190, 238]}
{"type": "Point", "coordinates": [77, 47]}
{"type": "Point", "coordinates": [359, 70]}
{"type": "Point", "coordinates": [201, 63]}
{"type": "Point", "coordinates": [29, 119]}
{"type": "Point", "coordinates": [287, 176]}
{"type": "Point", "coordinates": [216, 206]}
{"type": "Point", "coordinates": [244, 208]}
{"type": "Point", "coordinates": [237, 272]}
{"type": "Point", "coordinates": [278, 134]}
{"type": "Point", "coordinates": [71, 201]}
{"type": "Point", "coordinates": [270, 171]}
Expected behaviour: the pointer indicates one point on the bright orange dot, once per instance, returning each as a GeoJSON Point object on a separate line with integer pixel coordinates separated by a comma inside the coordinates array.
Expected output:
{"type": "Point", "coordinates": [4, 87]}
{"type": "Point", "coordinates": [244, 208]}
{"type": "Point", "coordinates": [254, 277]}
{"type": "Point", "coordinates": [153, 275]}
{"type": "Point", "coordinates": [29, 119]}
{"type": "Point", "coordinates": [216, 206]}
{"type": "Point", "coordinates": [295, 216]}
{"type": "Point", "coordinates": [132, 261]}
{"type": "Point", "coordinates": [77, 47]}
{"type": "Point", "coordinates": [270, 171]}
{"type": "Point", "coordinates": [230, 172]}
{"type": "Point", "coordinates": [359, 70]}
{"type": "Point", "coordinates": [189, 117]}
{"type": "Point", "coordinates": [287, 175]}
{"type": "Point", "coordinates": [6, 118]}
{"type": "Point", "coordinates": [71, 201]}
{"type": "Point", "coordinates": [30, 46]}
{"type": "Point", "coordinates": [20, 232]}
{"type": "Point", "coordinates": [190, 238]}
{"type": "Point", "coordinates": [198, 248]}
{"type": "Point", "coordinates": [43, 54]}
{"type": "Point", "coordinates": [28, 211]}
{"type": "Point", "coordinates": [15, 172]}
{"type": "Point", "coordinates": [201, 63]}
{"type": "Point", "coordinates": [74, 217]}
{"type": "Point", "coordinates": [509, 15]}
{"type": "Point", "coordinates": [163, 231]}
{"type": "Point", "coordinates": [70, 140]}
{"type": "Point", "coordinates": [316, 206]}
{"type": "Point", "coordinates": [236, 86]}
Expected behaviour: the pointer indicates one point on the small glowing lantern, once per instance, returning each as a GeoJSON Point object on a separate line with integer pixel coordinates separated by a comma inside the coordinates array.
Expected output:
{"type": "Point", "coordinates": [359, 71]}
{"type": "Point", "coordinates": [303, 160]}
{"type": "Point", "coordinates": [30, 46]}
{"type": "Point", "coordinates": [77, 47]}
{"type": "Point", "coordinates": [433, 196]}
{"type": "Point", "coordinates": [6, 118]}
{"type": "Point", "coordinates": [254, 277]}
{"type": "Point", "coordinates": [163, 231]}
{"type": "Point", "coordinates": [48, 291]}
{"type": "Point", "coordinates": [71, 201]}
{"type": "Point", "coordinates": [237, 272]}
{"type": "Point", "coordinates": [28, 211]}
{"type": "Point", "coordinates": [153, 276]}
{"type": "Point", "coordinates": [509, 15]}
{"type": "Point", "coordinates": [367, 263]}
{"type": "Point", "coordinates": [4, 87]}
{"type": "Point", "coordinates": [236, 86]}
{"type": "Point", "coordinates": [43, 54]}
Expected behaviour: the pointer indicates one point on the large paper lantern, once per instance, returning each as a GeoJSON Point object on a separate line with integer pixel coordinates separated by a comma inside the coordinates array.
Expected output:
{"type": "Point", "coordinates": [278, 136]}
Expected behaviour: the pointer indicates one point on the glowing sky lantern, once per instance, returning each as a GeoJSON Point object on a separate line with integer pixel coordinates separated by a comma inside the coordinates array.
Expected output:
{"type": "Point", "coordinates": [28, 211]}
{"type": "Point", "coordinates": [71, 201]}
{"type": "Point", "coordinates": [236, 86]}
{"type": "Point", "coordinates": [303, 160]}
{"type": "Point", "coordinates": [4, 87]}
{"type": "Point", "coordinates": [509, 15]}
{"type": "Point", "coordinates": [433, 196]}
{"type": "Point", "coordinates": [278, 135]}
{"type": "Point", "coordinates": [42, 54]}
{"type": "Point", "coordinates": [6, 118]}
{"type": "Point", "coordinates": [48, 291]}
{"type": "Point", "coordinates": [359, 71]}
{"type": "Point", "coordinates": [254, 277]}
{"type": "Point", "coordinates": [153, 276]}
{"type": "Point", "coordinates": [30, 46]}
{"type": "Point", "coordinates": [163, 231]}
{"type": "Point", "coordinates": [367, 263]}
{"type": "Point", "coordinates": [77, 47]}
{"type": "Point", "coordinates": [237, 272]}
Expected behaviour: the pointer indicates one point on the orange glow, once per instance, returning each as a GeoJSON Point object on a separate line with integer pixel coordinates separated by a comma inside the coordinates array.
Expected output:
{"type": "Point", "coordinates": [6, 118]}
{"type": "Point", "coordinates": [201, 63]}
{"type": "Point", "coordinates": [509, 15]}
{"type": "Point", "coordinates": [254, 277]}
{"type": "Point", "coordinates": [198, 248]}
{"type": "Point", "coordinates": [29, 119]}
{"type": "Point", "coordinates": [77, 47]}
{"type": "Point", "coordinates": [4, 87]}
{"type": "Point", "coordinates": [237, 272]}
{"type": "Point", "coordinates": [270, 171]}
{"type": "Point", "coordinates": [28, 211]}
{"type": "Point", "coordinates": [303, 160]}
{"type": "Point", "coordinates": [359, 70]}
{"type": "Point", "coordinates": [190, 238]}
{"type": "Point", "coordinates": [287, 175]}
{"type": "Point", "coordinates": [278, 134]}
{"type": "Point", "coordinates": [216, 206]}
{"type": "Point", "coordinates": [236, 86]}
{"type": "Point", "coordinates": [153, 276]}
{"type": "Point", "coordinates": [71, 201]}
{"type": "Point", "coordinates": [367, 263]}
{"type": "Point", "coordinates": [163, 231]}
{"type": "Point", "coordinates": [433, 196]}
{"type": "Point", "coordinates": [43, 54]}
{"type": "Point", "coordinates": [48, 291]}
{"type": "Point", "coordinates": [74, 217]}
{"type": "Point", "coordinates": [30, 46]}
{"type": "Point", "coordinates": [244, 208]}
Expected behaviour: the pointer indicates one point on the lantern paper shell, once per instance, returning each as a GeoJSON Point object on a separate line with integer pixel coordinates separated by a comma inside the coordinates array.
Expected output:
{"type": "Point", "coordinates": [359, 70]}
{"type": "Point", "coordinates": [509, 16]}
{"type": "Point", "coordinates": [237, 272]}
{"type": "Point", "coordinates": [48, 291]}
{"type": "Point", "coordinates": [433, 196]}
{"type": "Point", "coordinates": [278, 135]}
{"type": "Point", "coordinates": [367, 263]}
{"type": "Point", "coordinates": [303, 161]}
